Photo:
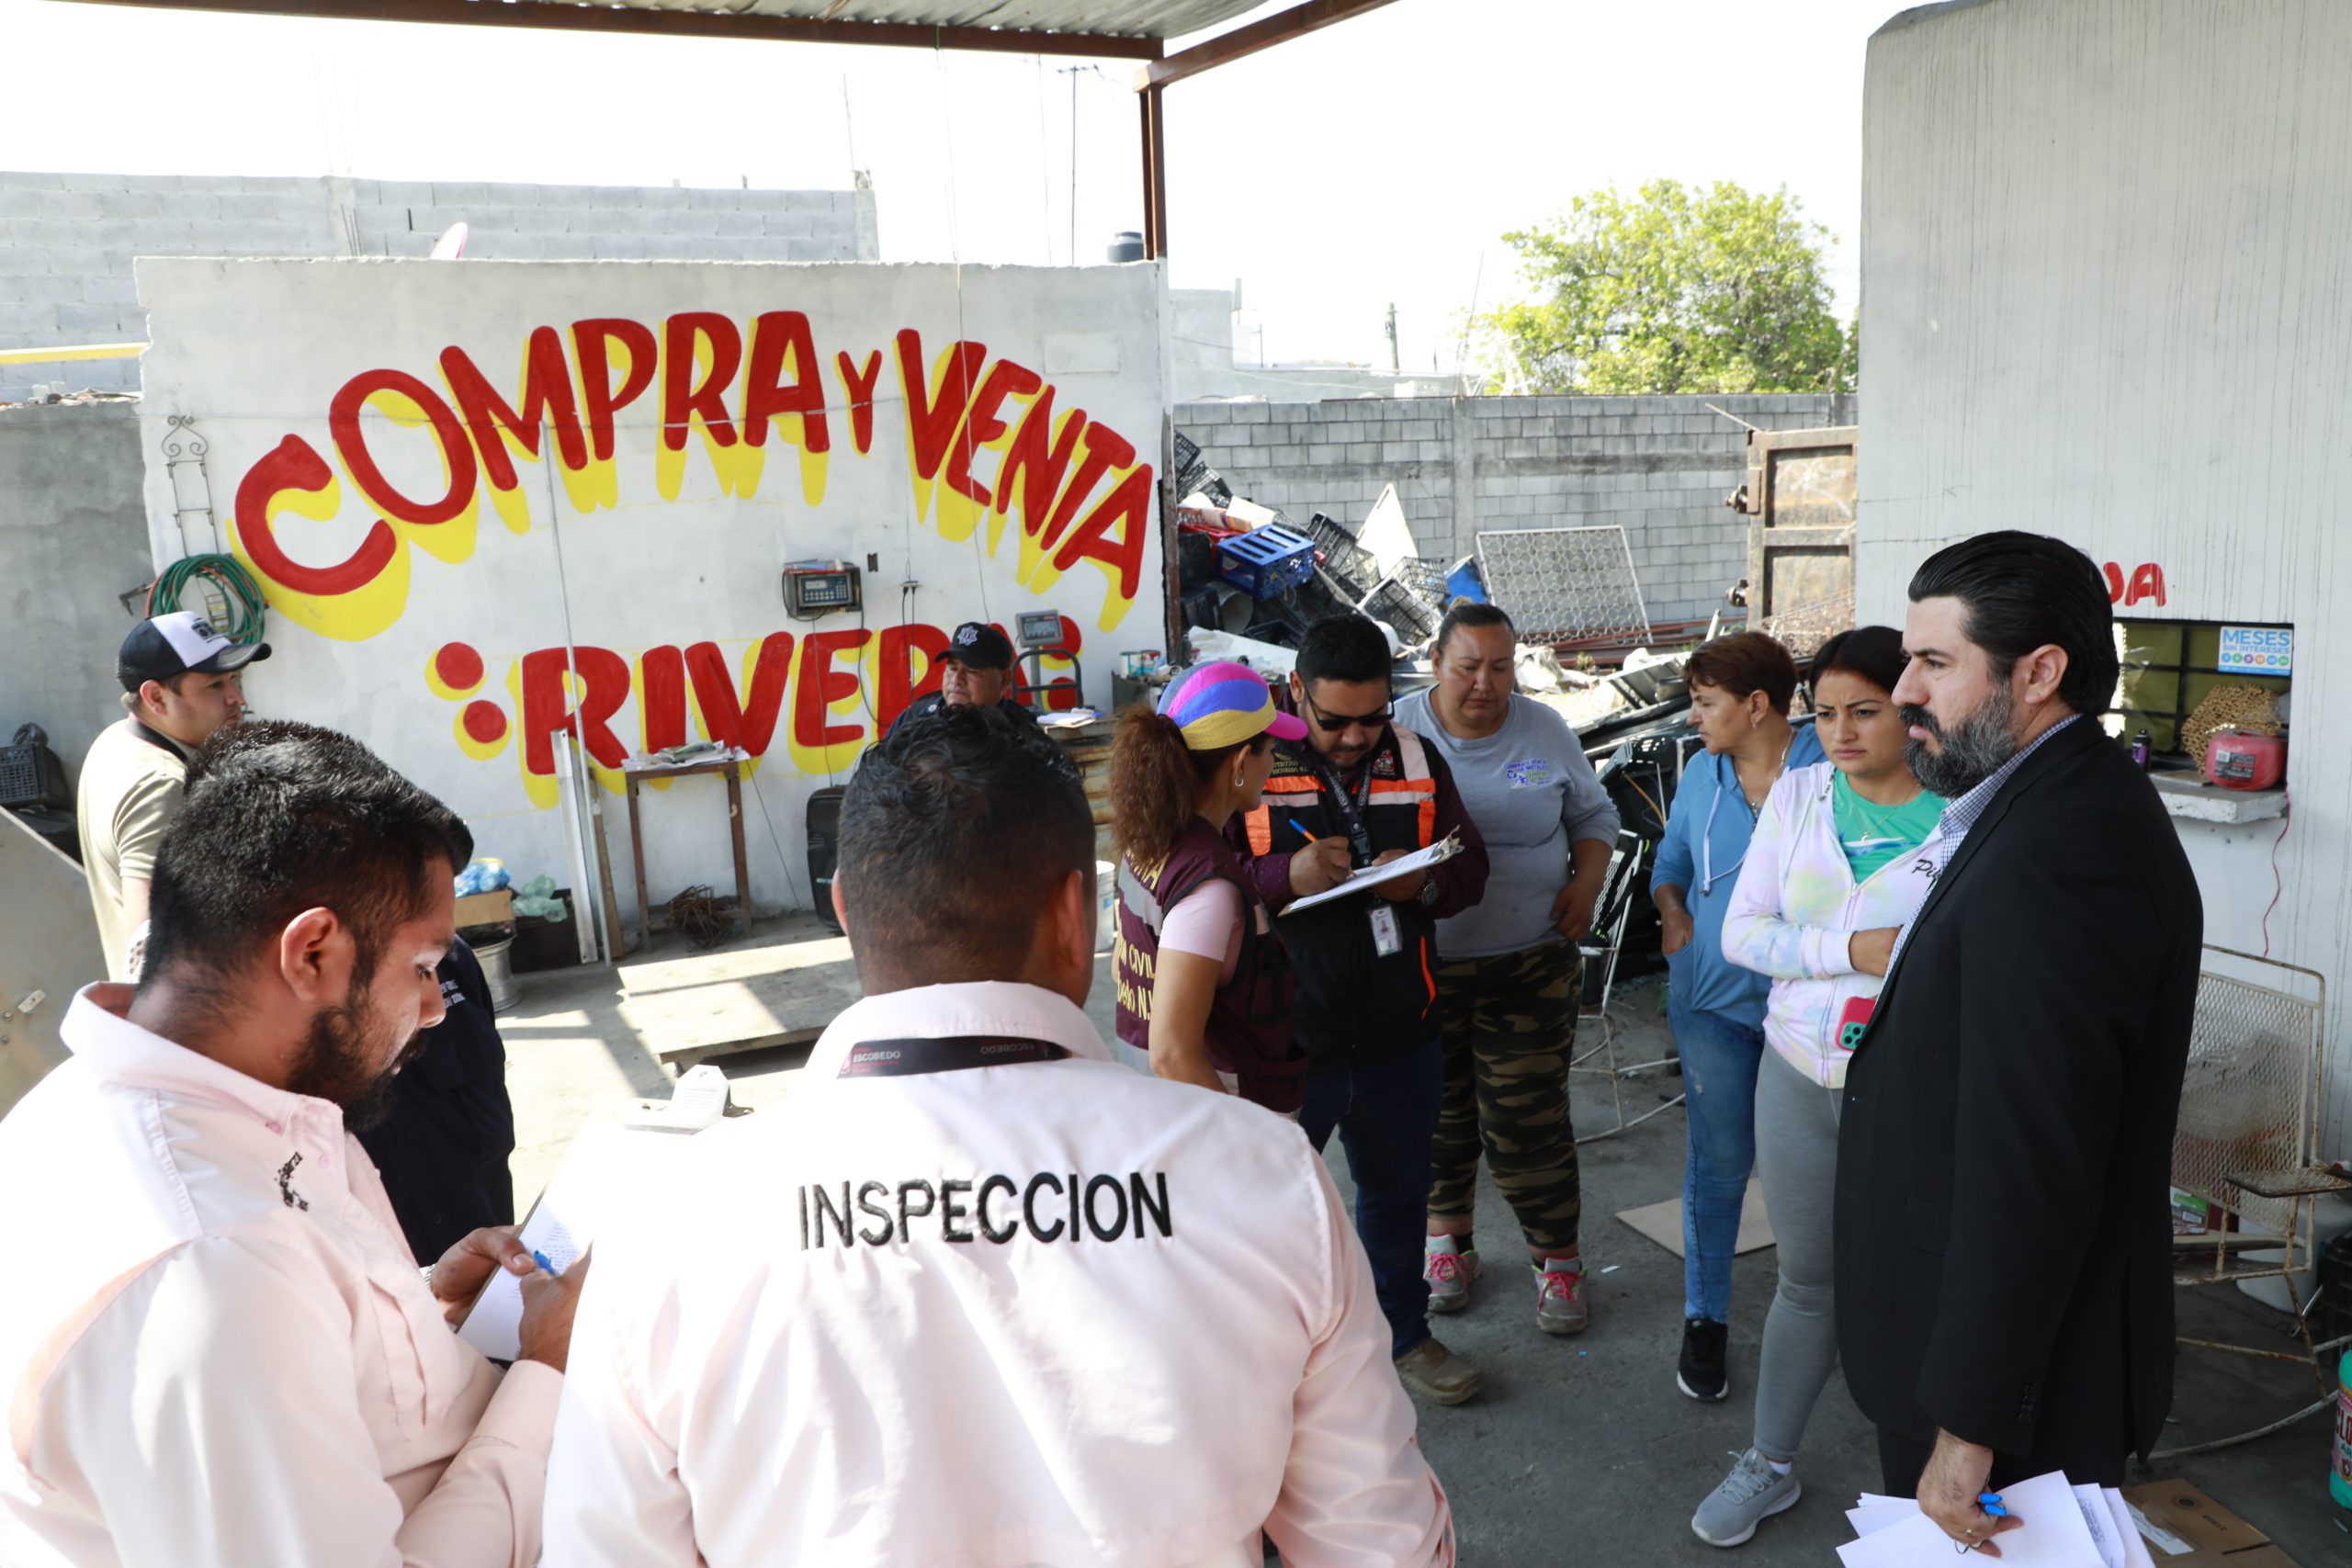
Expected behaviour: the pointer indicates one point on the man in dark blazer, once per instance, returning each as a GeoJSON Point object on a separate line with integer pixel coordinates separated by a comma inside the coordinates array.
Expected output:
{"type": "Point", "coordinates": [2003, 1236]}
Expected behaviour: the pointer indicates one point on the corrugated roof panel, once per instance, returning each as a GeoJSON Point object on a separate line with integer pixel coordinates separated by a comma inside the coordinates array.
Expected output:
{"type": "Point", "coordinates": [1122, 18]}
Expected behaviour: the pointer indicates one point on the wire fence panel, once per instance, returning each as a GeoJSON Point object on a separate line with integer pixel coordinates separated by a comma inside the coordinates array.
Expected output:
{"type": "Point", "coordinates": [1558, 584]}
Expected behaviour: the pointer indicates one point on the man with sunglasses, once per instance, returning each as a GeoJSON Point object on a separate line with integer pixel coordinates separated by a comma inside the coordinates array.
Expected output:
{"type": "Point", "coordinates": [1357, 792]}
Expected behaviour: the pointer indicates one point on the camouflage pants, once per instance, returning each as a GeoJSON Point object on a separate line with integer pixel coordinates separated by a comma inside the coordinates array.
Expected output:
{"type": "Point", "coordinates": [1510, 1029]}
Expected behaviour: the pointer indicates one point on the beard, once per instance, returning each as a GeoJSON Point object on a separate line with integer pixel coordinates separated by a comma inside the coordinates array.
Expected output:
{"type": "Point", "coordinates": [1972, 750]}
{"type": "Point", "coordinates": [337, 1064]}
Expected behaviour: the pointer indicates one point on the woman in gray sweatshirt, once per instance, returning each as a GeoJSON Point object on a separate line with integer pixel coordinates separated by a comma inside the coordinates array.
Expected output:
{"type": "Point", "coordinates": [1511, 978]}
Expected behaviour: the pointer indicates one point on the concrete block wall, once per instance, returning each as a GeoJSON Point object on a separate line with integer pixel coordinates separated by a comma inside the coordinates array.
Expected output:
{"type": "Point", "coordinates": [74, 536]}
{"type": "Point", "coordinates": [67, 241]}
{"type": "Point", "coordinates": [1661, 467]}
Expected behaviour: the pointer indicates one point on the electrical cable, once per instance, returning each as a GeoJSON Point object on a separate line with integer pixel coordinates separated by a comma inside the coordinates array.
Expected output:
{"type": "Point", "coordinates": [2277, 886]}
{"type": "Point", "coordinates": [243, 613]}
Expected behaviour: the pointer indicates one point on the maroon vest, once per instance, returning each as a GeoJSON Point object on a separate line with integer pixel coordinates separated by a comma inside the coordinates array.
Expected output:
{"type": "Point", "coordinates": [1249, 1027]}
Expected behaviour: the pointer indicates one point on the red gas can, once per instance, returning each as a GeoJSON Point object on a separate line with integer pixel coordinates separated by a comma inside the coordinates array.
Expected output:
{"type": "Point", "coordinates": [2236, 759]}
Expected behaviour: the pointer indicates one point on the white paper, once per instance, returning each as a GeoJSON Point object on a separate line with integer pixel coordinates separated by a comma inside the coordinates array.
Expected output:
{"type": "Point", "coordinates": [1873, 1518]}
{"type": "Point", "coordinates": [1445, 850]}
{"type": "Point", "coordinates": [607, 1169]}
{"type": "Point", "coordinates": [2135, 1550]}
{"type": "Point", "coordinates": [2166, 1542]}
{"type": "Point", "coordinates": [2093, 1502]}
{"type": "Point", "coordinates": [2052, 1532]}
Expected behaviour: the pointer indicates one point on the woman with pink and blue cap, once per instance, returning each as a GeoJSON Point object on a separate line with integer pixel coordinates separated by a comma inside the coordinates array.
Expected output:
{"type": "Point", "coordinates": [1204, 990]}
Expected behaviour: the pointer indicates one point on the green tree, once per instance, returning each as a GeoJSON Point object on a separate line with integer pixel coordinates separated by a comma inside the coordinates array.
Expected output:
{"type": "Point", "coordinates": [1675, 290]}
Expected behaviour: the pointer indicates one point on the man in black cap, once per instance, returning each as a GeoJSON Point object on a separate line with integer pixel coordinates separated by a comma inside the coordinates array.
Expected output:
{"type": "Point", "coordinates": [974, 669]}
{"type": "Point", "coordinates": [181, 680]}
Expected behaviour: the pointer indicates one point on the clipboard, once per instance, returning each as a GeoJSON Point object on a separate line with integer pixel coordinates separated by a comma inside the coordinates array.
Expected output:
{"type": "Point", "coordinates": [1371, 876]}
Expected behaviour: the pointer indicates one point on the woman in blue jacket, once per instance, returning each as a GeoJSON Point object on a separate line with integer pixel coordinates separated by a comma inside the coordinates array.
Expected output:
{"type": "Point", "coordinates": [1740, 690]}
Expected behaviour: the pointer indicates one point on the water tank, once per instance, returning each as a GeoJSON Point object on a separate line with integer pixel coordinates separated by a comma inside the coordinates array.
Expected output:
{"type": "Point", "coordinates": [1126, 245]}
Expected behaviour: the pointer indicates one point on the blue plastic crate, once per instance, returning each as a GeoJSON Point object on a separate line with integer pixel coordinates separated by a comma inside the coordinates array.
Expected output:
{"type": "Point", "coordinates": [1267, 561]}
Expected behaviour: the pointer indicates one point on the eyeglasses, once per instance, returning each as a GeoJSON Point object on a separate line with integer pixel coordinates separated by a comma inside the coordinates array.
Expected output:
{"type": "Point", "coordinates": [1337, 721]}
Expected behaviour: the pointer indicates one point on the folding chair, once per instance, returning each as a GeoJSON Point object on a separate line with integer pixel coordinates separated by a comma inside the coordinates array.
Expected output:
{"type": "Point", "coordinates": [1611, 914]}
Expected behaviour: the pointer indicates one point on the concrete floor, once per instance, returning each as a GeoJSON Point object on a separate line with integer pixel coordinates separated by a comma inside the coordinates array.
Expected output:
{"type": "Point", "coordinates": [1580, 1448]}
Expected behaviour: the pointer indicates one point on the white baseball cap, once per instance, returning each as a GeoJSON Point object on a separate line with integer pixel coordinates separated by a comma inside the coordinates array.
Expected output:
{"type": "Point", "coordinates": [175, 644]}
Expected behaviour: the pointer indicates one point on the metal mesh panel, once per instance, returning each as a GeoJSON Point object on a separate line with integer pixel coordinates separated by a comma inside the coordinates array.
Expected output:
{"type": "Point", "coordinates": [1559, 584]}
{"type": "Point", "coordinates": [1802, 627]}
{"type": "Point", "coordinates": [2244, 1101]}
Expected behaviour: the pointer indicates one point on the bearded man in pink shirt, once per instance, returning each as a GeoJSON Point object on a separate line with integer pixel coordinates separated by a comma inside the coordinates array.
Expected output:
{"type": "Point", "coordinates": [219, 1351]}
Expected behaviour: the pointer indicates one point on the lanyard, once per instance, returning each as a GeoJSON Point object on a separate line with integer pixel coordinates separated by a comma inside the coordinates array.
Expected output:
{"type": "Point", "coordinates": [1707, 877]}
{"type": "Point", "coordinates": [944, 1054]}
{"type": "Point", "coordinates": [1351, 809]}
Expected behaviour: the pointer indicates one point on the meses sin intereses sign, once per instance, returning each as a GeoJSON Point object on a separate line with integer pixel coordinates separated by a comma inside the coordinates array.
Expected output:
{"type": "Point", "coordinates": [491, 504]}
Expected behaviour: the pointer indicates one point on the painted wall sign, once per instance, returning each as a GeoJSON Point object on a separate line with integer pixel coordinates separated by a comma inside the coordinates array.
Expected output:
{"type": "Point", "coordinates": [2257, 650]}
{"type": "Point", "coordinates": [501, 508]}
{"type": "Point", "coordinates": [2146, 582]}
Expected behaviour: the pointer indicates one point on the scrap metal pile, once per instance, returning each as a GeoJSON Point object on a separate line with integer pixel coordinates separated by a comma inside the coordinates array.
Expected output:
{"type": "Point", "coordinates": [1251, 570]}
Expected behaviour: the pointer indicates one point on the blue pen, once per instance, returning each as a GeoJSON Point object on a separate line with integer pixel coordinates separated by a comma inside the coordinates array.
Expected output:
{"type": "Point", "coordinates": [541, 1259]}
{"type": "Point", "coordinates": [1991, 1502]}
{"type": "Point", "coordinates": [1302, 832]}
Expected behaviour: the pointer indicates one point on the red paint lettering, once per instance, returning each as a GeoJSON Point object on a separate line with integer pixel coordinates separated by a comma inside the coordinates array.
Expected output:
{"type": "Point", "coordinates": [894, 669]}
{"type": "Point", "coordinates": [860, 387]}
{"type": "Point", "coordinates": [351, 446]}
{"type": "Point", "coordinates": [2114, 575]}
{"type": "Point", "coordinates": [682, 396]}
{"type": "Point", "coordinates": [745, 719]}
{"type": "Point", "coordinates": [934, 425]}
{"type": "Point", "coordinates": [1038, 462]}
{"type": "Point", "coordinates": [1105, 449]}
{"type": "Point", "coordinates": [591, 340]}
{"type": "Point", "coordinates": [547, 391]}
{"type": "Point", "coordinates": [661, 697]}
{"type": "Point", "coordinates": [819, 686]}
{"type": "Point", "coordinates": [546, 711]}
{"type": "Point", "coordinates": [2147, 582]}
{"type": "Point", "coordinates": [295, 464]}
{"type": "Point", "coordinates": [981, 425]}
{"type": "Point", "coordinates": [775, 335]}
{"type": "Point", "coordinates": [1129, 503]}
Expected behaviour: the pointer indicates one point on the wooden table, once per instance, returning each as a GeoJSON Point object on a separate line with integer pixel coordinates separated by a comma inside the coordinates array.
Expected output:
{"type": "Point", "coordinates": [731, 768]}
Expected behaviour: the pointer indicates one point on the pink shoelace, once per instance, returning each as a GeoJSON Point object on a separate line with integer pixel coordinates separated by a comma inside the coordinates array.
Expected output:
{"type": "Point", "coordinates": [1561, 1284]}
{"type": "Point", "coordinates": [1445, 1266]}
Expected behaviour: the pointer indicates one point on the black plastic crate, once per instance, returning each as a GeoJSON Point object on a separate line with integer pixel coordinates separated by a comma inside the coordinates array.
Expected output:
{"type": "Point", "coordinates": [1350, 564]}
{"type": "Point", "coordinates": [1195, 559]}
{"type": "Point", "coordinates": [1188, 451]}
{"type": "Point", "coordinates": [30, 774]}
{"type": "Point", "coordinates": [1413, 617]}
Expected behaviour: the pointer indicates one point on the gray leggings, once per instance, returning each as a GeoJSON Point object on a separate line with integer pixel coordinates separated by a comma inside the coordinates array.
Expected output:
{"type": "Point", "coordinates": [1796, 1159]}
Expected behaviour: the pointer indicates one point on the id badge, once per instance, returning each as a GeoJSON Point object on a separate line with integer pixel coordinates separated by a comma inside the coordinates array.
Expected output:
{"type": "Point", "coordinates": [1854, 1022]}
{"type": "Point", "coordinates": [1385, 938]}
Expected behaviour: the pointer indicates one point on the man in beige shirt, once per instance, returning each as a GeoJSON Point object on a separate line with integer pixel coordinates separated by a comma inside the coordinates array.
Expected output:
{"type": "Point", "coordinates": [181, 680]}
{"type": "Point", "coordinates": [220, 1352]}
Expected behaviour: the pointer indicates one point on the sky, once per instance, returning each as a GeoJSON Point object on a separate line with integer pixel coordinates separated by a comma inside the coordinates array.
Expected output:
{"type": "Point", "coordinates": [1373, 164]}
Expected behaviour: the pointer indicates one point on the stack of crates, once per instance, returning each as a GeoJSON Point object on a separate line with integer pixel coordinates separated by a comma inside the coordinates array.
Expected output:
{"type": "Point", "coordinates": [1266, 562]}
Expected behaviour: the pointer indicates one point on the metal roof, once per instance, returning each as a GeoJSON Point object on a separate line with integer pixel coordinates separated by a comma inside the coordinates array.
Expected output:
{"type": "Point", "coordinates": [1135, 29]}
{"type": "Point", "coordinates": [1111, 18]}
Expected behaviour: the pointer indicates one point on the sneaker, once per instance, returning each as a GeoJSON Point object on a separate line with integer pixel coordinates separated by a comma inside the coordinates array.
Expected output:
{"type": "Point", "coordinates": [1751, 1493]}
{"type": "Point", "coordinates": [1701, 1374]}
{"type": "Point", "coordinates": [1559, 1296]}
{"type": "Point", "coordinates": [1449, 1273]}
{"type": "Point", "coordinates": [1437, 1374]}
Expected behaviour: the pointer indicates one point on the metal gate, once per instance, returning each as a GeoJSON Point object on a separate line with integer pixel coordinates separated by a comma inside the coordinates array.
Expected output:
{"type": "Point", "coordinates": [1799, 500]}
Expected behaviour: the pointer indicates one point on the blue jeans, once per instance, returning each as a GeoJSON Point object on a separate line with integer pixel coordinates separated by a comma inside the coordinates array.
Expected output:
{"type": "Point", "coordinates": [1386, 1114]}
{"type": "Point", "coordinates": [1720, 1055]}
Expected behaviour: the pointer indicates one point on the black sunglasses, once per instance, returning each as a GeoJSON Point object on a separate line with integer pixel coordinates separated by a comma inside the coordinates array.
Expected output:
{"type": "Point", "coordinates": [1337, 721]}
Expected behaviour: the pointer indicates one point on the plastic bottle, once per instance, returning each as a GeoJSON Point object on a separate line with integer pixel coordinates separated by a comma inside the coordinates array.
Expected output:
{"type": "Point", "coordinates": [2143, 750]}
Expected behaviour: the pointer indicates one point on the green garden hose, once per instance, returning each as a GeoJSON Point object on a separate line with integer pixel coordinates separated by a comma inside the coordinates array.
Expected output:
{"type": "Point", "coordinates": [222, 591]}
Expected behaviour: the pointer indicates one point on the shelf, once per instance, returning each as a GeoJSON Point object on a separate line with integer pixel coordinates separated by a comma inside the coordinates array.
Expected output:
{"type": "Point", "coordinates": [2192, 799]}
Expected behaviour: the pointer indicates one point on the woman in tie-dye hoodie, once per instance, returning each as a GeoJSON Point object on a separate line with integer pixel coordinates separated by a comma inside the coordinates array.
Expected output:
{"type": "Point", "coordinates": [1843, 854]}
